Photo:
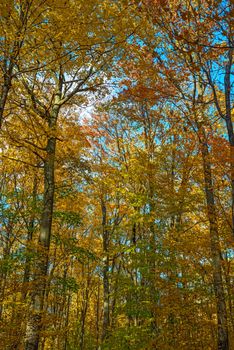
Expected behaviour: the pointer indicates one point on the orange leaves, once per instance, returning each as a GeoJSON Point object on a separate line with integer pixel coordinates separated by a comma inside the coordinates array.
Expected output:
{"type": "Point", "coordinates": [220, 150]}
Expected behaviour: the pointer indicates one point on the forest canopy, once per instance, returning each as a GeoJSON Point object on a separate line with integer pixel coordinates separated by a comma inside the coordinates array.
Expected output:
{"type": "Point", "coordinates": [116, 175]}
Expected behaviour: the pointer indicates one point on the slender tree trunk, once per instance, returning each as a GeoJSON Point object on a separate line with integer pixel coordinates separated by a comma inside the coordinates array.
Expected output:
{"type": "Point", "coordinates": [114, 299]}
{"type": "Point", "coordinates": [4, 273]}
{"type": "Point", "coordinates": [4, 95]}
{"type": "Point", "coordinates": [229, 289]}
{"type": "Point", "coordinates": [85, 304]}
{"type": "Point", "coordinates": [223, 342]}
{"type": "Point", "coordinates": [229, 125]}
{"type": "Point", "coordinates": [83, 319]}
{"type": "Point", "coordinates": [106, 287]}
{"type": "Point", "coordinates": [97, 317]}
{"type": "Point", "coordinates": [34, 324]}
{"type": "Point", "coordinates": [69, 299]}
{"type": "Point", "coordinates": [31, 227]}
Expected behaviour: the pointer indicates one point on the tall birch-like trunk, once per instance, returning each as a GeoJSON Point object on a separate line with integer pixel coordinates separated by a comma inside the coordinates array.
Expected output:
{"type": "Point", "coordinates": [34, 324]}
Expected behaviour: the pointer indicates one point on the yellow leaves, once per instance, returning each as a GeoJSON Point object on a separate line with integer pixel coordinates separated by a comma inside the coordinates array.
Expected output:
{"type": "Point", "coordinates": [232, 114]}
{"type": "Point", "coordinates": [6, 8]}
{"type": "Point", "coordinates": [122, 320]}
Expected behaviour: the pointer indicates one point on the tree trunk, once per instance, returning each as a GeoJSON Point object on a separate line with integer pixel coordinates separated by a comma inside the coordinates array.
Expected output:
{"type": "Point", "coordinates": [4, 95]}
{"type": "Point", "coordinates": [229, 125]}
{"type": "Point", "coordinates": [85, 304]}
{"type": "Point", "coordinates": [106, 287]}
{"type": "Point", "coordinates": [223, 342]}
{"type": "Point", "coordinates": [97, 317]}
{"type": "Point", "coordinates": [4, 273]}
{"type": "Point", "coordinates": [31, 227]}
{"type": "Point", "coordinates": [34, 324]}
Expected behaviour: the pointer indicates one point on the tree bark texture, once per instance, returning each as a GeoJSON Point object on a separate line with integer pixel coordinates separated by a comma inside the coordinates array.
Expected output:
{"type": "Point", "coordinates": [34, 325]}
{"type": "Point", "coordinates": [223, 341]}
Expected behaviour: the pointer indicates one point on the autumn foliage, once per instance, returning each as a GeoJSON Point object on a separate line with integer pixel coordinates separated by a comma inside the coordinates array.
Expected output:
{"type": "Point", "coordinates": [117, 175]}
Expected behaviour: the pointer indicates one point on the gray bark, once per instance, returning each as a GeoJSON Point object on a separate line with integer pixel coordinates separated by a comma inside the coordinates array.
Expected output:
{"type": "Point", "coordinates": [34, 324]}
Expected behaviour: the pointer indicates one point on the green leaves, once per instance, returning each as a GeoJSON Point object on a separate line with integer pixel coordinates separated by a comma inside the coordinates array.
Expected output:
{"type": "Point", "coordinates": [64, 285]}
{"type": "Point", "coordinates": [68, 218]}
